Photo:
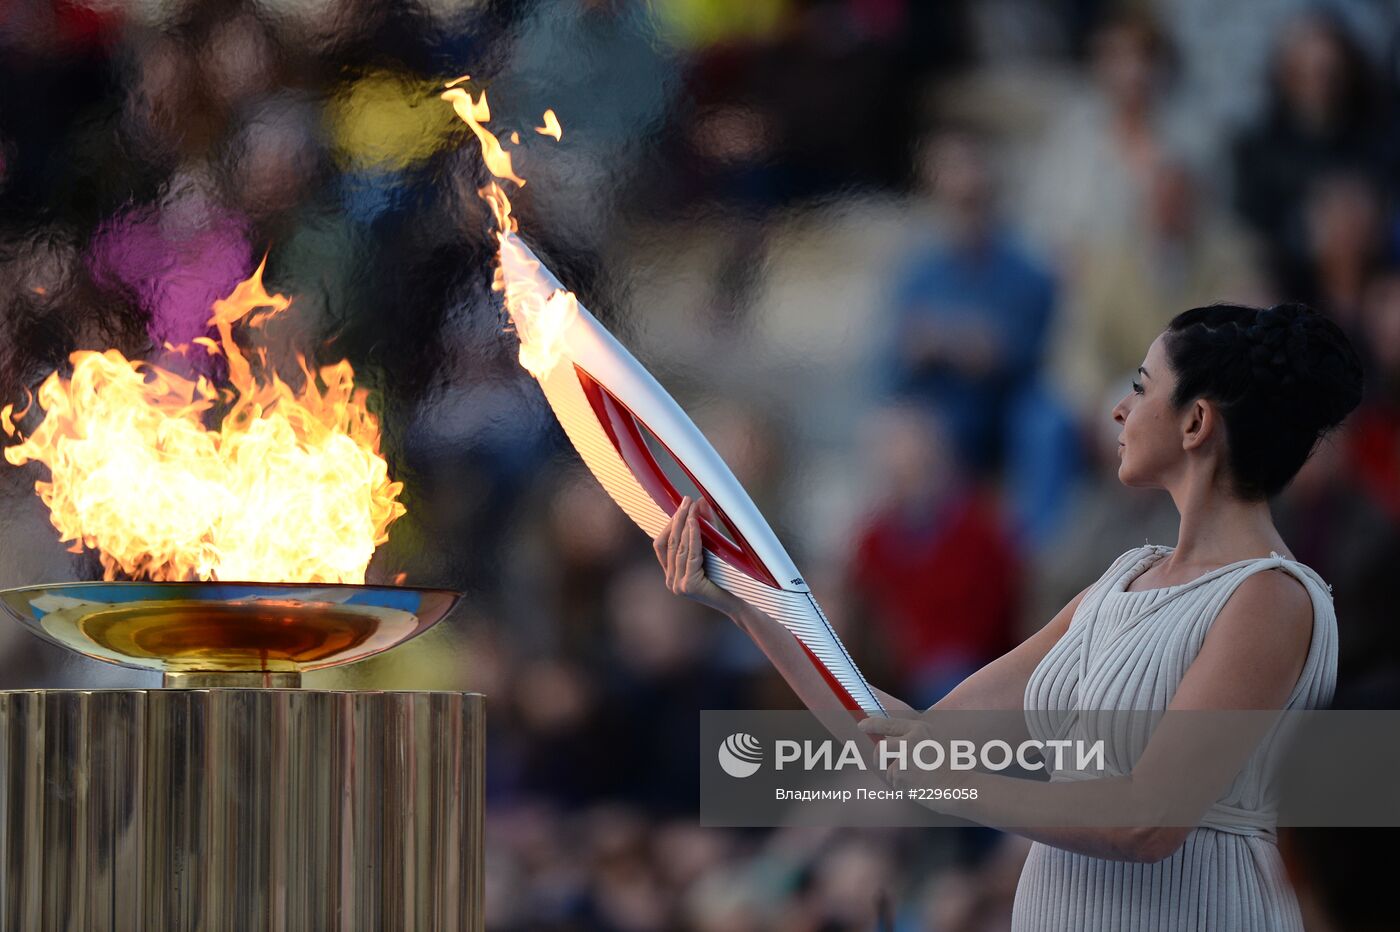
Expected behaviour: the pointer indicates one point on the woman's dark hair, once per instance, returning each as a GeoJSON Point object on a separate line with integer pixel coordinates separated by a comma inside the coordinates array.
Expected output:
{"type": "Point", "coordinates": [1282, 377]}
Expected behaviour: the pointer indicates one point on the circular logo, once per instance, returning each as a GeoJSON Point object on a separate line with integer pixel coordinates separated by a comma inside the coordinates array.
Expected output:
{"type": "Point", "coordinates": [740, 755]}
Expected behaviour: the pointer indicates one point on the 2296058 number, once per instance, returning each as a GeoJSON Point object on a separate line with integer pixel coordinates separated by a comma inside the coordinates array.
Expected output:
{"type": "Point", "coordinates": [942, 792]}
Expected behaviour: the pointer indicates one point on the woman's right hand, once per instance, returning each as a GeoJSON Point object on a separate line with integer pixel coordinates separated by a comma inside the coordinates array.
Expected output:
{"type": "Point", "coordinates": [681, 551]}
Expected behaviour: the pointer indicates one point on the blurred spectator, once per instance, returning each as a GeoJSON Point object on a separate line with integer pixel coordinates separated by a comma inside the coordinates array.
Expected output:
{"type": "Point", "coordinates": [163, 117]}
{"type": "Point", "coordinates": [558, 717]}
{"type": "Point", "coordinates": [753, 444]}
{"type": "Point", "coordinates": [972, 312]}
{"type": "Point", "coordinates": [273, 158]}
{"type": "Point", "coordinates": [1095, 165]}
{"type": "Point", "coordinates": [55, 63]}
{"type": "Point", "coordinates": [1375, 428]}
{"type": "Point", "coordinates": [978, 897]}
{"type": "Point", "coordinates": [1320, 119]}
{"type": "Point", "coordinates": [1344, 231]}
{"type": "Point", "coordinates": [972, 308]}
{"type": "Point", "coordinates": [573, 543]}
{"type": "Point", "coordinates": [626, 893]}
{"type": "Point", "coordinates": [662, 670]}
{"type": "Point", "coordinates": [240, 60]}
{"type": "Point", "coordinates": [932, 568]}
{"type": "Point", "coordinates": [1127, 289]}
{"type": "Point", "coordinates": [1338, 526]}
{"type": "Point", "coordinates": [846, 882]}
{"type": "Point", "coordinates": [177, 256]}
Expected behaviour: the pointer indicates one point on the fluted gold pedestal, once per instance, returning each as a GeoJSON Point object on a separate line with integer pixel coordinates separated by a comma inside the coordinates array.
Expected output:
{"type": "Point", "coordinates": [240, 809]}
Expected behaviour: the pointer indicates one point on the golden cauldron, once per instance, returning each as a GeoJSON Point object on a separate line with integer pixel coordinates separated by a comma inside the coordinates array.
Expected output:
{"type": "Point", "coordinates": [231, 798]}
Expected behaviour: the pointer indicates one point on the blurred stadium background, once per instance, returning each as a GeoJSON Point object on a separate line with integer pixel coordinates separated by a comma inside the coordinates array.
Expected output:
{"type": "Point", "coordinates": [898, 258]}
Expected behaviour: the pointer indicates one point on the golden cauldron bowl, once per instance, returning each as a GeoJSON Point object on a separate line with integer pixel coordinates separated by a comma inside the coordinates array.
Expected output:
{"type": "Point", "coordinates": [201, 634]}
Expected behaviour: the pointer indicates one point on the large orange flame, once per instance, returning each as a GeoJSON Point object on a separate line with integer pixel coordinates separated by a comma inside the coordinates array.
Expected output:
{"type": "Point", "coordinates": [290, 487]}
{"type": "Point", "coordinates": [539, 314]}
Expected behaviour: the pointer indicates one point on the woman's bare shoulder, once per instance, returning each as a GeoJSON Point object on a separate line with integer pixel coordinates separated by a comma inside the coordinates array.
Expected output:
{"type": "Point", "coordinates": [1256, 647]}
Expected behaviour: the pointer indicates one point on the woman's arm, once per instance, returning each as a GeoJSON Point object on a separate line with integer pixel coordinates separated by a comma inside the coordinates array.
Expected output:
{"type": "Point", "coordinates": [998, 685]}
{"type": "Point", "coordinates": [679, 548]}
{"type": "Point", "coordinates": [1250, 660]}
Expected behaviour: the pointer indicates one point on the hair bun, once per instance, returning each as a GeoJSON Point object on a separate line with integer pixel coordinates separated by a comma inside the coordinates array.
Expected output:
{"type": "Point", "coordinates": [1302, 359]}
{"type": "Point", "coordinates": [1283, 377]}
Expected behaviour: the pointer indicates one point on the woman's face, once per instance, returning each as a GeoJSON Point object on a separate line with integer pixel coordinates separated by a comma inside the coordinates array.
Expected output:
{"type": "Point", "coordinates": [1149, 436]}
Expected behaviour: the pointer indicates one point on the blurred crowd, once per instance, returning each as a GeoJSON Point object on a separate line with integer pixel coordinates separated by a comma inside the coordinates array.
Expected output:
{"type": "Point", "coordinates": [897, 258]}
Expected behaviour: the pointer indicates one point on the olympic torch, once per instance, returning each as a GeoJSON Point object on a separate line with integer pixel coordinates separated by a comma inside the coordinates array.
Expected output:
{"type": "Point", "coordinates": [613, 411]}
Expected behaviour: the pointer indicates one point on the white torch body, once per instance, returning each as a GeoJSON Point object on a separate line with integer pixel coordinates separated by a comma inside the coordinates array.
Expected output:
{"type": "Point", "coordinates": [607, 403]}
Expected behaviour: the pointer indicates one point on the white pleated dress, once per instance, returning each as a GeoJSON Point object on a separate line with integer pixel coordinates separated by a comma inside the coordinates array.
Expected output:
{"type": "Point", "coordinates": [1129, 650]}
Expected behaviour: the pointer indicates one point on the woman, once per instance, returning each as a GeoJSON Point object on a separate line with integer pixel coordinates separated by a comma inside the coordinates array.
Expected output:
{"type": "Point", "coordinates": [1229, 403]}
